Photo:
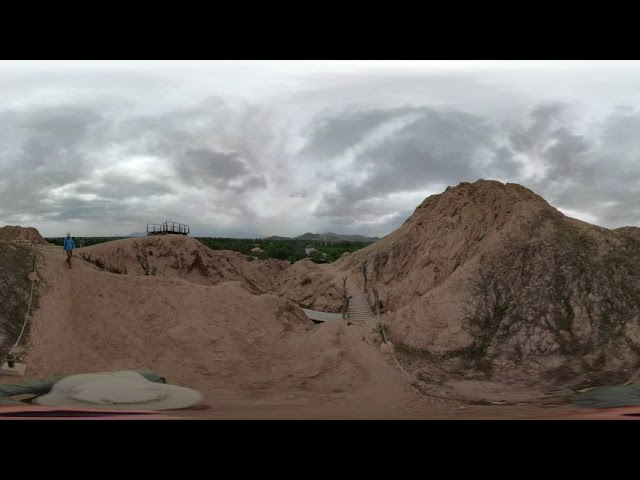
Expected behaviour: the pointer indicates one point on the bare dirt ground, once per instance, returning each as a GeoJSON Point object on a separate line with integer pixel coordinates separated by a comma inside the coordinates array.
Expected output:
{"type": "Point", "coordinates": [493, 283]}
{"type": "Point", "coordinates": [252, 356]}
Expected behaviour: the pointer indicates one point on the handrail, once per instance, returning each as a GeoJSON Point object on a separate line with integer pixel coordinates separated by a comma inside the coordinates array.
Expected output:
{"type": "Point", "coordinates": [168, 227]}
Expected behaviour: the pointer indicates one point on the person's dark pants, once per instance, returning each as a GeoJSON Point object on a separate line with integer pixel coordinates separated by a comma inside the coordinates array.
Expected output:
{"type": "Point", "coordinates": [69, 253]}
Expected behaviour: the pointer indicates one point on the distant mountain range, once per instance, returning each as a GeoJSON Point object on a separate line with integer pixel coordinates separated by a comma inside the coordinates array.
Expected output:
{"type": "Point", "coordinates": [318, 237]}
{"type": "Point", "coordinates": [327, 237]}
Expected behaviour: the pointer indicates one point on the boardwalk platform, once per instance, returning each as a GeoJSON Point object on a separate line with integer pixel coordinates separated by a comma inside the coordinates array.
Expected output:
{"type": "Point", "coordinates": [319, 317]}
{"type": "Point", "coordinates": [167, 228]}
{"type": "Point", "coordinates": [359, 309]}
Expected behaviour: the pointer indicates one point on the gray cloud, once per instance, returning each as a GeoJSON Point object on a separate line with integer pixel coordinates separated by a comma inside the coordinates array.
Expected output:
{"type": "Point", "coordinates": [49, 148]}
{"type": "Point", "coordinates": [116, 187]}
{"type": "Point", "coordinates": [41, 152]}
{"type": "Point", "coordinates": [333, 135]}
{"type": "Point", "coordinates": [602, 174]}
{"type": "Point", "coordinates": [528, 139]}
{"type": "Point", "coordinates": [438, 147]}
{"type": "Point", "coordinates": [211, 166]}
{"type": "Point", "coordinates": [224, 171]}
{"type": "Point", "coordinates": [565, 153]}
{"type": "Point", "coordinates": [275, 150]}
{"type": "Point", "coordinates": [503, 163]}
{"type": "Point", "coordinates": [588, 175]}
{"type": "Point", "coordinates": [61, 126]}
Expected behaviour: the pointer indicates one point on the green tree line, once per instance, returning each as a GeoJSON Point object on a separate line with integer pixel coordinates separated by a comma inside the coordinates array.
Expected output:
{"type": "Point", "coordinates": [88, 241]}
{"type": "Point", "coordinates": [291, 249]}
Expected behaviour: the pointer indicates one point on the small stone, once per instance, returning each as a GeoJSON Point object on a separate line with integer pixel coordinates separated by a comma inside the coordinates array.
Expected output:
{"type": "Point", "coordinates": [386, 348]}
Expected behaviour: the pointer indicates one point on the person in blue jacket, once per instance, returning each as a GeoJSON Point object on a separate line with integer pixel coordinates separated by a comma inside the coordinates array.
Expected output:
{"type": "Point", "coordinates": [68, 246]}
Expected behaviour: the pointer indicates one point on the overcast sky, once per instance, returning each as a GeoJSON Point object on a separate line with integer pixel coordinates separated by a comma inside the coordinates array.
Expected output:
{"type": "Point", "coordinates": [260, 148]}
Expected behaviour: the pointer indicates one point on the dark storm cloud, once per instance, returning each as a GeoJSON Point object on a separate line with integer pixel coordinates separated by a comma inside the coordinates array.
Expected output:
{"type": "Point", "coordinates": [333, 135]}
{"type": "Point", "coordinates": [504, 163]}
{"type": "Point", "coordinates": [602, 174]}
{"type": "Point", "coordinates": [564, 156]}
{"type": "Point", "coordinates": [435, 148]}
{"type": "Point", "coordinates": [42, 149]}
{"type": "Point", "coordinates": [117, 186]}
{"type": "Point", "coordinates": [47, 148]}
{"type": "Point", "coordinates": [527, 139]}
{"type": "Point", "coordinates": [340, 147]}
{"type": "Point", "coordinates": [61, 126]}
{"type": "Point", "coordinates": [211, 166]}
{"type": "Point", "coordinates": [551, 138]}
{"type": "Point", "coordinates": [222, 170]}
{"type": "Point", "coordinates": [596, 175]}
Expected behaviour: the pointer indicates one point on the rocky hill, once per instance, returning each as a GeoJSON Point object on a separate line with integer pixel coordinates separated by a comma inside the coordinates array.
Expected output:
{"type": "Point", "coordinates": [21, 234]}
{"type": "Point", "coordinates": [488, 279]}
{"type": "Point", "coordinates": [184, 257]}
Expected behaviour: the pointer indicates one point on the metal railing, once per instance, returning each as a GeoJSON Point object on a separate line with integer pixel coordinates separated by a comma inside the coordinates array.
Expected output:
{"type": "Point", "coordinates": [167, 227]}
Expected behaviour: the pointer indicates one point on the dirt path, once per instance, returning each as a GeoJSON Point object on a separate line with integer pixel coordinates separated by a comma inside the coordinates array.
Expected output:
{"type": "Point", "coordinates": [224, 342]}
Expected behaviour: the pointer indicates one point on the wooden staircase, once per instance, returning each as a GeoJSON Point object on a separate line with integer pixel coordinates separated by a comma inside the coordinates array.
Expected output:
{"type": "Point", "coordinates": [359, 308]}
